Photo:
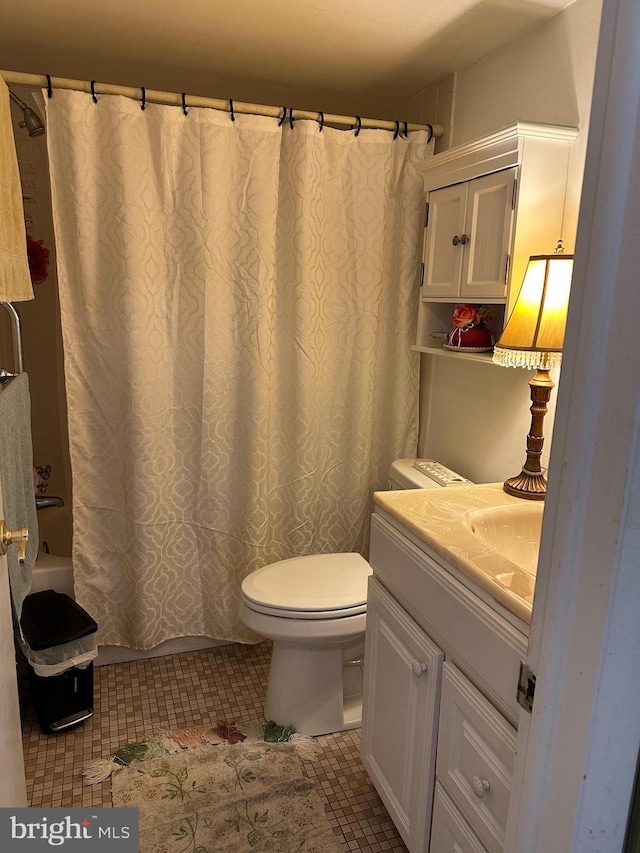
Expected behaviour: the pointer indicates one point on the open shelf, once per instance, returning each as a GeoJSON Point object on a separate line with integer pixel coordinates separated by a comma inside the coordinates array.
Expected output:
{"type": "Point", "coordinates": [485, 357]}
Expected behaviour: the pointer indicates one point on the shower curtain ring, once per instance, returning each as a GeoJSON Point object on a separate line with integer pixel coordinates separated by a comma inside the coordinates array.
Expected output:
{"type": "Point", "coordinates": [184, 104]}
{"type": "Point", "coordinates": [291, 118]}
{"type": "Point", "coordinates": [282, 117]}
{"type": "Point", "coordinates": [358, 125]}
{"type": "Point", "coordinates": [143, 101]}
{"type": "Point", "coordinates": [49, 86]}
{"type": "Point", "coordinates": [233, 115]}
{"type": "Point", "coordinates": [430, 126]}
{"type": "Point", "coordinates": [406, 130]}
{"type": "Point", "coordinates": [321, 121]}
{"type": "Point", "coordinates": [94, 97]}
{"type": "Point", "coordinates": [396, 132]}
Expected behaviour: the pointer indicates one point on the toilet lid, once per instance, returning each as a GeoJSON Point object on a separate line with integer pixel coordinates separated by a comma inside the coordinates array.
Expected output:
{"type": "Point", "coordinates": [318, 586]}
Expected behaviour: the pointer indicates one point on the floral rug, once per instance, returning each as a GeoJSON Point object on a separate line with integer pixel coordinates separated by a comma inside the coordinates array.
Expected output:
{"type": "Point", "coordinates": [225, 788]}
{"type": "Point", "coordinates": [226, 798]}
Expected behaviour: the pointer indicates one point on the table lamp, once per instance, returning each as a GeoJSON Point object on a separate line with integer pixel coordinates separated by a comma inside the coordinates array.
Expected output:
{"type": "Point", "coordinates": [533, 338]}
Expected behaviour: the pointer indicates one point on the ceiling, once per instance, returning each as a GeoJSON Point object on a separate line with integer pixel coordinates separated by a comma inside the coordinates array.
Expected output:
{"type": "Point", "coordinates": [357, 57]}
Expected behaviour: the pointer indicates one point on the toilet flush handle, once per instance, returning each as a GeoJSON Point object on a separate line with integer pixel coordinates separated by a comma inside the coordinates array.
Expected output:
{"type": "Point", "coordinates": [19, 536]}
{"type": "Point", "coordinates": [419, 668]}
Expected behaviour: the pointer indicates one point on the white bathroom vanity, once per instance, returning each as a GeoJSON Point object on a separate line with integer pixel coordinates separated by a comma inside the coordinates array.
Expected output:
{"type": "Point", "coordinates": [448, 618]}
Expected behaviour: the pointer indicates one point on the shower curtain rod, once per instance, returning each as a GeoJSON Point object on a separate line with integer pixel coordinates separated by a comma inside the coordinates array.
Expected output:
{"type": "Point", "coordinates": [179, 100]}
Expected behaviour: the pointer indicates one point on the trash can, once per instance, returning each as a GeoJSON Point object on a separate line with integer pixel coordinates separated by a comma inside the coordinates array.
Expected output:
{"type": "Point", "coordinates": [59, 645]}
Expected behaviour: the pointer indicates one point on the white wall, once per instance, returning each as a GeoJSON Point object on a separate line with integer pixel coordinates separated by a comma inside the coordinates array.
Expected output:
{"type": "Point", "coordinates": [475, 417]}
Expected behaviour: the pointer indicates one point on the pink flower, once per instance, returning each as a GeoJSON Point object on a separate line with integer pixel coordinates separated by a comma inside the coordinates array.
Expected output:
{"type": "Point", "coordinates": [187, 738]}
{"type": "Point", "coordinates": [38, 256]}
{"type": "Point", "coordinates": [466, 315]}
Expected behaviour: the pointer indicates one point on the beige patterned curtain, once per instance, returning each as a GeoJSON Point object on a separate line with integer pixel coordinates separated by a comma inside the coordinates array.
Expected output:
{"type": "Point", "coordinates": [238, 305]}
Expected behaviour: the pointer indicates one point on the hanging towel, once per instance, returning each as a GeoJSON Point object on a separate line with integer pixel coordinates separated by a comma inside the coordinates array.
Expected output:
{"type": "Point", "coordinates": [16, 474]}
{"type": "Point", "coordinates": [15, 281]}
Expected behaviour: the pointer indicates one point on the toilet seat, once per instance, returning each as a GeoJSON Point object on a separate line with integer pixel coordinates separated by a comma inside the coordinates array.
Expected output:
{"type": "Point", "coordinates": [319, 586]}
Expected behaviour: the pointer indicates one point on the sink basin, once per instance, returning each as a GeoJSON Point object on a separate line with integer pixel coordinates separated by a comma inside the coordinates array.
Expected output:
{"type": "Point", "coordinates": [485, 538]}
{"type": "Point", "coordinates": [513, 531]}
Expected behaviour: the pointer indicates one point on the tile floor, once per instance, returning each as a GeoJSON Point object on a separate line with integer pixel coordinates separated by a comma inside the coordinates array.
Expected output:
{"type": "Point", "coordinates": [137, 699]}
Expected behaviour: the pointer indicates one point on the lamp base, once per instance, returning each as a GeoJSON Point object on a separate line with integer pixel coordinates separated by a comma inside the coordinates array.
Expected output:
{"type": "Point", "coordinates": [532, 487]}
{"type": "Point", "coordinates": [531, 483]}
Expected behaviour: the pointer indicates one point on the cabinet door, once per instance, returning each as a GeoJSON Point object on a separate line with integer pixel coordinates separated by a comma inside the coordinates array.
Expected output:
{"type": "Point", "coordinates": [450, 833]}
{"type": "Point", "coordinates": [443, 254]}
{"type": "Point", "coordinates": [488, 224]}
{"type": "Point", "coordinates": [400, 713]}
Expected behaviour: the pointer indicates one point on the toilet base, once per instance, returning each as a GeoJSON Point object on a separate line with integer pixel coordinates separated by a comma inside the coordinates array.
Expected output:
{"type": "Point", "coordinates": [315, 690]}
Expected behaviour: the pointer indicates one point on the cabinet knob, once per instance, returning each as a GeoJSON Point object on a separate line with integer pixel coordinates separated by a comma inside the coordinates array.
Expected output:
{"type": "Point", "coordinates": [464, 239]}
{"type": "Point", "coordinates": [419, 668]}
{"type": "Point", "coordinates": [480, 786]}
{"type": "Point", "coordinates": [455, 240]}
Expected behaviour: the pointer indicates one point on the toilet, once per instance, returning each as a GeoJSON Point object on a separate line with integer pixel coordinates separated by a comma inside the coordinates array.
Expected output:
{"type": "Point", "coordinates": [314, 609]}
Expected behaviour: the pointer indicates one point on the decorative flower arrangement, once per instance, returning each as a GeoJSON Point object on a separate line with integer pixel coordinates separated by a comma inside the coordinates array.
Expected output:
{"type": "Point", "coordinates": [470, 329]}
{"type": "Point", "coordinates": [38, 257]}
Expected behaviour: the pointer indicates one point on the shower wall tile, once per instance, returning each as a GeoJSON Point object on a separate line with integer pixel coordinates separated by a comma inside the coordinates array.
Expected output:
{"type": "Point", "coordinates": [41, 335]}
{"type": "Point", "coordinates": [45, 394]}
{"type": "Point", "coordinates": [44, 418]}
{"type": "Point", "coordinates": [6, 351]}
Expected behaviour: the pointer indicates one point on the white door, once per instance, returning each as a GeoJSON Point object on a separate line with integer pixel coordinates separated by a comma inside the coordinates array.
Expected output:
{"type": "Point", "coordinates": [13, 791]}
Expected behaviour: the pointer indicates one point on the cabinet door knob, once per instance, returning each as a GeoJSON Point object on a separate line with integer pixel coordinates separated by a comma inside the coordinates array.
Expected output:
{"type": "Point", "coordinates": [480, 786]}
{"type": "Point", "coordinates": [419, 668]}
{"type": "Point", "coordinates": [455, 240]}
{"type": "Point", "coordinates": [464, 239]}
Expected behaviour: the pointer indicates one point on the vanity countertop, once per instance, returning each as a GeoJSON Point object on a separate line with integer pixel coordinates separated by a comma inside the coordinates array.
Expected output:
{"type": "Point", "coordinates": [441, 519]}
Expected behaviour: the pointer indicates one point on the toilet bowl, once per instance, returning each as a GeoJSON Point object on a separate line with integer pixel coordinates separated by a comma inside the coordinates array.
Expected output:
{"type": "Point", "coordinates": [314, 610]}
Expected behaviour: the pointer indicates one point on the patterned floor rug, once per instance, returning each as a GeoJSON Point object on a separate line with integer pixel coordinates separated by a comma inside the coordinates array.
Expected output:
{"type": "Point", "coordinates": [220, 790]}
{"type": "Point", "coordinates": [225, 799]}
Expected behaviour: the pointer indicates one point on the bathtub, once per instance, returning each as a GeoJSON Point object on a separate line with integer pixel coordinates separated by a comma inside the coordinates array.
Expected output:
{"type": "Point", "coordinates": [52, 572]}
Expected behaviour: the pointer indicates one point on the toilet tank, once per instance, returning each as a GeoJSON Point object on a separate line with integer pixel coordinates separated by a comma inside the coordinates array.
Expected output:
{"type": "Point", "coordinates": [422, 474]}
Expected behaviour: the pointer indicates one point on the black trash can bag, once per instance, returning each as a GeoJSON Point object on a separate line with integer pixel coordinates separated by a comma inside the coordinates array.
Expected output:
{"type": "Point", "coordinates": [60, 646]}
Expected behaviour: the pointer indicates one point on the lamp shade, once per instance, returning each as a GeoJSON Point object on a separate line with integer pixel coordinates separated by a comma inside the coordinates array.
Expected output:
{"type": "Point", "coordinates": [534, 334]}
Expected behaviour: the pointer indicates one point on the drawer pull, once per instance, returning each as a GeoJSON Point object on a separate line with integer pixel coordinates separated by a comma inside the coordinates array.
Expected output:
{"type": "Point", "coordinates": [480, 786]}
{"type": "Point", "coordinates": [418, 669]}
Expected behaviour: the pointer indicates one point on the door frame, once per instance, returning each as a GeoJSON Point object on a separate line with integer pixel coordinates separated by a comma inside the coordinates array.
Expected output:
{"type": "Point", "coordinates": [578, 750]}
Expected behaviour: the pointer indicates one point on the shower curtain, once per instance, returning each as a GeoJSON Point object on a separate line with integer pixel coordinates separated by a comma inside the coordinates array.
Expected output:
{"type": "Point", "coordinates": [238, 305]}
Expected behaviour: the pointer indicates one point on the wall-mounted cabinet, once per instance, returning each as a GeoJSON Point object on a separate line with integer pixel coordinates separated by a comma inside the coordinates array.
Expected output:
{"type": "Point", "coordinates": [467, 239]}
{"type": "Point", "coordinates": [491, 204]}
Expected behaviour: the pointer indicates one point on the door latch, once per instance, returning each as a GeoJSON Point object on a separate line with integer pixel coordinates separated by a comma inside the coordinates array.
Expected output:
{"type": "Point", "coordinates": [526, 687]}
{"type": "Point", "coordinates": [19, 537]}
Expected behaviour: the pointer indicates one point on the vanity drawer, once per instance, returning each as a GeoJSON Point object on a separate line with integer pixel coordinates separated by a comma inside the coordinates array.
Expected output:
{"type": "Point", "coordinates": [476, 752]}
{"type": "Point", "coordinates": [450, 833]}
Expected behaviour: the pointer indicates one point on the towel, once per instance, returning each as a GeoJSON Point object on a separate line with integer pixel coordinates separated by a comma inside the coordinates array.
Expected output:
{"type": "Point", "coordinates": [15, 281]}
{"type": "Point", "coordinates": [16, 474]}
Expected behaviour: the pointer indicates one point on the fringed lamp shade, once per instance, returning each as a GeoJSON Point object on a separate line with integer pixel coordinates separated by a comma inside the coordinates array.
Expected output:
{"type": "Point", "coordinates": [533, 338]}
{"type": "Point", "coordinates": [534, 334]}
